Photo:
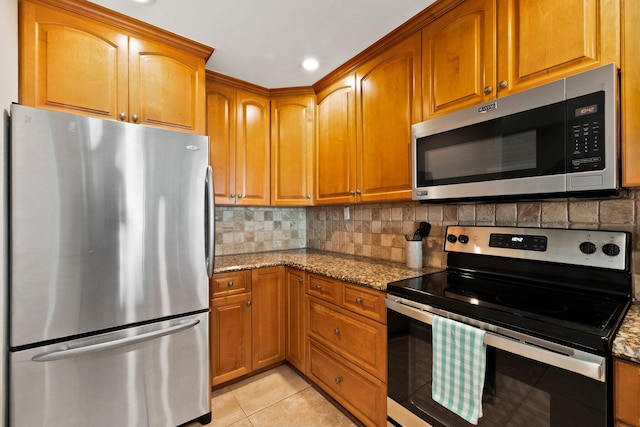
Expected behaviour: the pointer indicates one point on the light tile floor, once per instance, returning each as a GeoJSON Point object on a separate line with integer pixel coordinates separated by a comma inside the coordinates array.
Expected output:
{"type": "Point", "coordinates": [278, 397]}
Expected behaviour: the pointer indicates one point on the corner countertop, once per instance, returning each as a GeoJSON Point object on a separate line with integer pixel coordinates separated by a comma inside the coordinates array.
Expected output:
{"type": "Point", "coordinates": [627, 342]}
{"type": "Point", "coordinates": [363, 271]}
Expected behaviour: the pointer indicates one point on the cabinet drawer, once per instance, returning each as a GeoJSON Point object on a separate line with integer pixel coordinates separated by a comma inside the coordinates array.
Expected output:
{"type": "Point", "coordinates": [324, 288]}
{"type": "Point", "coordinates": [363, 301]}
{"type": "Point", "coordinates": [362, 394]}
{"type": "Point", "coordinates": [237, 282]}
{"type": "Point", "coordinates": [356, 338]}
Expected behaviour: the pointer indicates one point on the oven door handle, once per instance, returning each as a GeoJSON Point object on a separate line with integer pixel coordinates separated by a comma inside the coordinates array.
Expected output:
{"type": "Point", "coordinates": [579, 362]}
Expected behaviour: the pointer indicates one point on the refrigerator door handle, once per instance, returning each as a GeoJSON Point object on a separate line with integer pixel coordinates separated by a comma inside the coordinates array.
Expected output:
{"type": "Point", "coordinates": [66, 353]}
{"type": "Point", "coordinates": [210, 222]}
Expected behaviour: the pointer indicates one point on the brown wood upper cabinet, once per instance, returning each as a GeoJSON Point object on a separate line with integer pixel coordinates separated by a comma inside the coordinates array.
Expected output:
{"type": "Point", "coordinates": [80, 58]}
{"type": "Point", "coordinates": [364, 128]}
{"type": "Point", "coordinates": [238, 129]}
{"type": "Point", "coordinates": [483, 49]}
{"type": "Point", "coordinates": [292, 121]}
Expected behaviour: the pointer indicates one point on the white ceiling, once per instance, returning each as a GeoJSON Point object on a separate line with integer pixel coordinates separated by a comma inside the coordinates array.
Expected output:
{"type": "Point", "coordinates": [264, 42]}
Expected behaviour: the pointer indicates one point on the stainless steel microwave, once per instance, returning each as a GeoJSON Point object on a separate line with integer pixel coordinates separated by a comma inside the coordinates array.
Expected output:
{"type": "Point", "coordinates": [559, 139]}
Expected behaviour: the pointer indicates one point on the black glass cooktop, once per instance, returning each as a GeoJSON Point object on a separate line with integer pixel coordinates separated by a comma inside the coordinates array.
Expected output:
{"type": "Point", "coordinates": [574, 318]}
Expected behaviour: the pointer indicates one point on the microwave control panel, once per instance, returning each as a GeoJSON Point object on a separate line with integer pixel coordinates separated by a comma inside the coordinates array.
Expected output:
{"type": "Point", "coordinates": [585, 133]}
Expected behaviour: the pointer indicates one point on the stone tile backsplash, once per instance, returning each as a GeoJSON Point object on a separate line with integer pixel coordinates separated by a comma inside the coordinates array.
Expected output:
{"type": "Point", "coordinates": [377, 230]}
{"type": "Point", "coordinates": [241, 230]}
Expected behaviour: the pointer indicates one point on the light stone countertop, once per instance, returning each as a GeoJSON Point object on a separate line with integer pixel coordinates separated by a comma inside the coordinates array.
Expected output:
{"type": "Point", "coordinates": [370, 272]}
{"type": "Point", "coordinates": [626, 344]}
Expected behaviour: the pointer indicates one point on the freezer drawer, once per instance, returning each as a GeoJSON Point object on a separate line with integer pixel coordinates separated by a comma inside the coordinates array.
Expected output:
{"type": "Point", "coordinates": [106, 381]}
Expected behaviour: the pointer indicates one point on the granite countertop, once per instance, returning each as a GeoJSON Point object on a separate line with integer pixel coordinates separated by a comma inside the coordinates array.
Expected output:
{"type": "Point", "coordinates": [370, 272]}
{"type": "Point", "coordinates": [627, 342]}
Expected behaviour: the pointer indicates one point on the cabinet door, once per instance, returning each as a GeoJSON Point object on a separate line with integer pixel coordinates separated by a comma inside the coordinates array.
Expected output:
{"type": "Point", "coordinates": [540, 40]}
{"type": "Point", "coordinates": [230, 326]}
{"type": "Point", "coordinates": [630, 95]}
{"type": "Point", "coordinates": [166, 87]}
{"type": "Point", "coordinates": [221, 128]}
{"type": "Point", "coordinates": [459, 58]}
{"type": "Point", "coordinates": [388, 102]}
{"type": "Point", "coordinates": [292, 150]}
{"type": "Point", "coordinates": [268, 316]}
{"type": "Point", "coordinates": [295, 320]}
{"type": "Point", "coordinates": [252, 149]}
{"type": "Point", "coordinates": [626, 395]}
{"type": "Point", "coordinates": [335, 153]}
{"type": "Point", "coordinates": [71, 63]}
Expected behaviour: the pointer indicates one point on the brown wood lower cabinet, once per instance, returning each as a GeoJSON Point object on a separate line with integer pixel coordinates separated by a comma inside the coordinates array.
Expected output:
{"type": "Point", "coordinates": [626, 395]}
{"type": "Point", "coordinates": [295, 318]}
{"type": "Point", "coordinates": [347, 346]}
{"type": "Point", "coordinates": [246, 328]}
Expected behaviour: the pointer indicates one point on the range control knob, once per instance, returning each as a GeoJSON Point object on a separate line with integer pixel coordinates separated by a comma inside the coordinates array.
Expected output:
{"type": "Point", "coordinates": [587, 248]}
{"type": "Point", "coordinates": [451, 238]}
{"type": "Point", "coordinates": [611, 249]}
{"type": "Point", "coordinates": [464, 239]}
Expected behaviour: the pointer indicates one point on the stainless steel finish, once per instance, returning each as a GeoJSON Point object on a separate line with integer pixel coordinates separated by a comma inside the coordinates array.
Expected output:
{"type": "Point", "coordinates": [488, 90]}
{"type": "Point", "coordinates": [604, 77]}
{"type": "Point", "coordinates": [152, 383]}
{"type": "Point", "coordinates": [502, 84]}
{"type": "Point", "coordinates": [211, 222]}
{"type": "Point", "coordinates": [106, 224]}
{"type": "Point", "coordinates": [403, 416]}
{"type": "Point", "coordinates": [134, 118]}
{"type": "Point", "coordinates": [122, 116]}
{"type": "Point", "coordinates": [579, 362]}
{"type": "Point", "coordinates": [563, 245]}
{"type": "Point", "coordinates": [67, 351]}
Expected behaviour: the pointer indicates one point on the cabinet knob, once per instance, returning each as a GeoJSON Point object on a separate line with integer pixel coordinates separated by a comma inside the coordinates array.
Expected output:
{"type": "Point", "coordinates": [309, 196]}
{"type": "Point", "coordinates": [134, 118]}
{"type": "Point", "coordinates": [338, 380]}
{"type": "Point", "coordinates": [248, 303]}
{"type": "Point", "coordinates": [239, 196]}
{"type": "Point", "coordinates": [358, 192]}
{"type": "Point", "coordinates": [352, 192]}
{"type": "Point", "coordinates": [230, 284]}
{"type": "Point", "coordinates": [488, 90]}
{"type": "Point", "coordinates": [122, 116]}
{"type": "Point", "coordinates": [502, 84]}
{"type": "Point", "coordinates": [318, 287]}
{"type": "Point", "coordinates": [232, 196]}
{"type": "Point", "coordinates": [336, 331]}
{"type": "Point", "coordinates": [300, 280]}
{"type": "Point", "coordinates": [358, 300]}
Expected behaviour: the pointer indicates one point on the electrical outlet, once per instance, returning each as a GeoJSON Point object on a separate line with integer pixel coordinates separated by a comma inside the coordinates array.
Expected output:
{"type": "Point", "coordinates": [346, 212]}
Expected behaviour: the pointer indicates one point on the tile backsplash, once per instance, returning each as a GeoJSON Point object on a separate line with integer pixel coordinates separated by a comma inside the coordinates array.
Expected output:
{"type": "Point", "coordinates": [377, 230]}
{"type": "Point", "coordinates": [242, 230]}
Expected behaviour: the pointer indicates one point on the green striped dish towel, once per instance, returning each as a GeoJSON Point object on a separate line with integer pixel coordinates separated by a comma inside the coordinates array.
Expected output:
{"type": "Point", "coordinates": [459, 362]}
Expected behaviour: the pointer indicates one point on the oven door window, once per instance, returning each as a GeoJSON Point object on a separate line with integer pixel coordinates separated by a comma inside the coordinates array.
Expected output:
{"type": "Point", "coordinates": [531, 143]}
{"type": "Point", "coordinates": [518, 391]}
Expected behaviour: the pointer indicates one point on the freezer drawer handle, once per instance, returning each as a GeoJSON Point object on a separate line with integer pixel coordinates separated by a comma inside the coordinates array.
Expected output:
{"type": "Point", "coordinates": [93, 348]}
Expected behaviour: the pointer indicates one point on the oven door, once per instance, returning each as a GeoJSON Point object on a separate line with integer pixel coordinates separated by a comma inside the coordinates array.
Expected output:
{"type": "Point", "coordinates": [525, 384]}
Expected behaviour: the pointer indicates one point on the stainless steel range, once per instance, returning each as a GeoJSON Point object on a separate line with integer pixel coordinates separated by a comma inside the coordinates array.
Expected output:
{"type": "Point", "coordinates": [550, 302]}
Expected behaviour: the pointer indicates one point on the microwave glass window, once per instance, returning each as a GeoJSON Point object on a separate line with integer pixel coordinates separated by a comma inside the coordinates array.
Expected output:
{"type": "Point", "coordinates": [499, 154]}
{"type": "Point", "coordinates": [526, 144]}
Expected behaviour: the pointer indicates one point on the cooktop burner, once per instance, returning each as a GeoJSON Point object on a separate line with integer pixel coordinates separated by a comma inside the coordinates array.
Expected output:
{"type": "Point", "coordinates": [499, 281]}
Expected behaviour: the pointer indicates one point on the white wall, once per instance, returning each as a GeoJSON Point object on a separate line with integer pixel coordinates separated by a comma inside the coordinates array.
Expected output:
{"type": "Point", "coordinates": [8, 94]}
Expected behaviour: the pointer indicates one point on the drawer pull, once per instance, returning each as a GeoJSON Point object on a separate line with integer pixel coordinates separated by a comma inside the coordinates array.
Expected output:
{"type": "Point", "coordinates": [358, 300]}
{"type": "Point", "coordinates": [338, 380]}
{"type": "Point", "coordinates": [230, 284]}
{"type": "Point", "coordinates": [336, 331]}
{"type": "Point", "coordinates": [299, 279]}
{"type": "Point", "coordinates": [318, 288]}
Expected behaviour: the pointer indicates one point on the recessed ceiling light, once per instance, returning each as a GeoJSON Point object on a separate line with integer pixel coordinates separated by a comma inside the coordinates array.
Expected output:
{"type": "Point", "coordinates": [310, 64]}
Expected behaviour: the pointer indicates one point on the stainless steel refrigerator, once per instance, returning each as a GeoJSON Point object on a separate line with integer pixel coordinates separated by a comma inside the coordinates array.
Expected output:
{"type": "Point", "coordinates": [111, 248]}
